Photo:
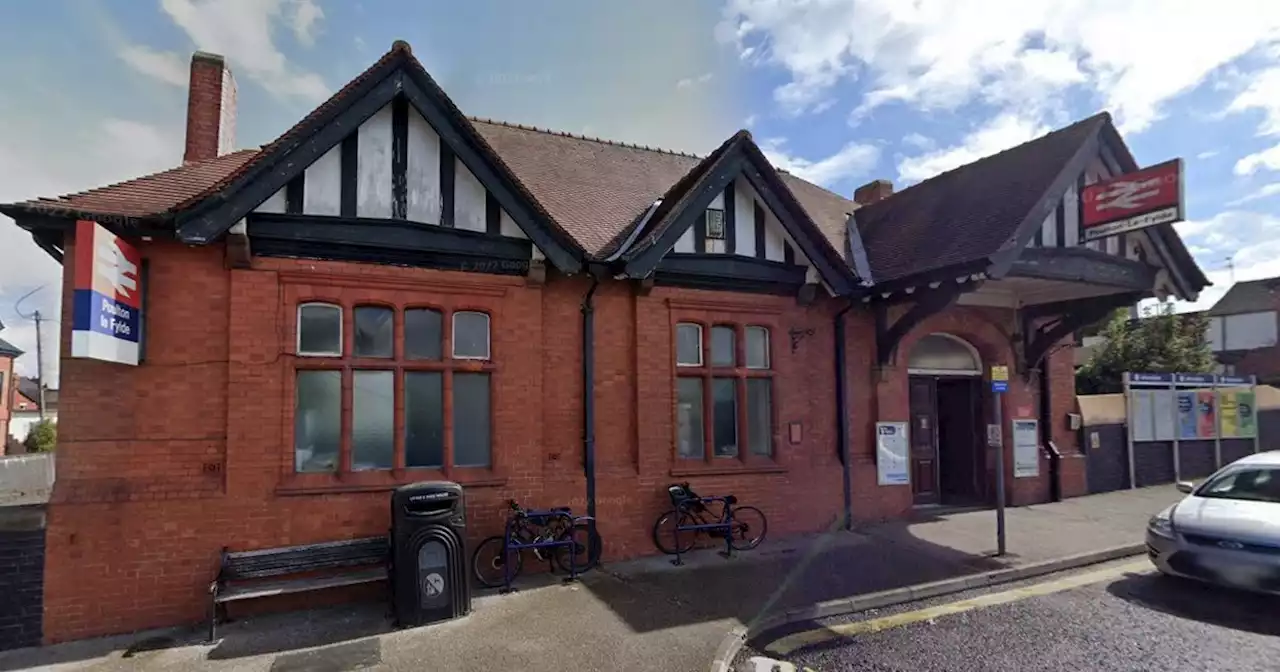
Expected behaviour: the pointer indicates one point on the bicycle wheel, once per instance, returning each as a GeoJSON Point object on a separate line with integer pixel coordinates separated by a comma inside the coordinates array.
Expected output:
{"type": "Point", "coordinates": [586, 548]}
{"type": "Point", "coordinates": [748, 528]}
{"type": "Point", "coordinates": [488, 563]}
{"type": "Point", "coordinates": [667, 538]}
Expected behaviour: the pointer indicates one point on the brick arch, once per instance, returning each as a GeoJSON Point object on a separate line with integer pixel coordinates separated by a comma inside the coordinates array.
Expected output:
{"type": "Point", "coordinates": [972, 325]}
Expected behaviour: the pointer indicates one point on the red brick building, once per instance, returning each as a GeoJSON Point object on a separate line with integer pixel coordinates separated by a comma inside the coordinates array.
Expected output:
{"type": "Point", "coordinates": [8, 389]}
{"type": "Point", "coordinates": [392, 291]}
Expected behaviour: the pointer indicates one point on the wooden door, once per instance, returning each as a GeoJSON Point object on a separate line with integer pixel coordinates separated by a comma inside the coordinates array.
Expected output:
{"type": "Point", "coordinates": [924, 440]}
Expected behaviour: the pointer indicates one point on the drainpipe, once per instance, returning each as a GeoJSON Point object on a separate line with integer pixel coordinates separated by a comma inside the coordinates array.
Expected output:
{"type": "Point", "coordinates": [588, 397]}
{"type": "Point", "coordinates": [842, 417]}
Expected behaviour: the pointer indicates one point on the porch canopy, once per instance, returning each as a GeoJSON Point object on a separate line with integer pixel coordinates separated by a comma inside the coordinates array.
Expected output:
{"type": "Point", "coordinates": [1006, 232]}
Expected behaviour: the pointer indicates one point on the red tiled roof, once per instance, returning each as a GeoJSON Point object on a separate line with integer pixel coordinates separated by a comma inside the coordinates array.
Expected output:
{"type": "Point", "coordinates": [144, 197]}
{"type": "Point", "coordinates": [970, 212]}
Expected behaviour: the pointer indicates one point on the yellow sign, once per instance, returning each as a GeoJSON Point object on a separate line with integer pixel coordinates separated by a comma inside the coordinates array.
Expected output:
{"type": "Point", "coordinates": [999, 373]}
{"type": "Point", "coordinates": [1228, 414]}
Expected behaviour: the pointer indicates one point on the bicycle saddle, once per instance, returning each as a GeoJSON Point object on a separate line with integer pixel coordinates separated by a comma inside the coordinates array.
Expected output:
{"type": "Point", "coordinates": [730, 500]}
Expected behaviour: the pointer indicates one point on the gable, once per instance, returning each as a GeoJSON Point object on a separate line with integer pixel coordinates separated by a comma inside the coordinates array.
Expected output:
{"type": "Point", "coordinates": [412, 162]}
{"type": "Point", "coordinates": [732, 216]}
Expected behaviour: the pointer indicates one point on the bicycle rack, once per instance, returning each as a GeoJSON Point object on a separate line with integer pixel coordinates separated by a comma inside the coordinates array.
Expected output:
{"type": "Point", "coordinates": [509, 545]}
{"type": "Point", "coordinates": [725, 524]}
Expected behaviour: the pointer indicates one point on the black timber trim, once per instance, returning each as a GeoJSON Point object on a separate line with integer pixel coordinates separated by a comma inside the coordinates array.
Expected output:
{"type": "Point", "coordinates": [294, 192]}
{"type": "Point", "coordinates": [210, 218]}
{"type": "Point", "coordinates": [788, 253]}
{"type": "Point", "coordinates": [760, 217]}
{"type": "Point", "coordinates": [858, 251]}
{"type": "Point", "coordinates": [448, 185]}
{"type": "Point", "coordinates": [44, 239]}
{"type": "Point", "coordinates": [1080, 185]}
{"type": "Point", "coordinates": [945, 276]}
{"type": "Point", "coordinates": [888, 336]}
{"type": "Point", "coordinates": [492, 215]}
{"type": "Point", "coordinates": [1003, 259]}
{"type": "Point", "coordinates": [430, 102]}
{"type": "Point", "coordinates": [699, 232]}
{"type": "Point", "coordinates": [386, 241]}
{"type": "Point", "coordinates": [729, 272]}
{"type": "Point", "coordinates": [730, 221]}
{"type": "Point", "coordinates": [1039, 237]}
{"type": "Point", "coordinates": [61, 224]}
{"type": "Point", "coordinates": [1071, 316]}
{"type": "Point", "coordinates": [399, 158]}
{"type": "Point", "coordinates": [349, 176]}
{"type": "Point", "coordinates": [1085, 266]}
{"type": "Point", "coordinates": [1060, 223]}
{"type": "Point", "coordinates": [829, 263]}
{"type": "Point", "coordinates": [693, 208]}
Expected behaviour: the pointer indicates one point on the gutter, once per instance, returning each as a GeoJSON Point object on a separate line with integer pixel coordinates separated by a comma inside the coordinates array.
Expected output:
{"type": "Point", "coordinates": [588, 398]}
{"type": "Point", "coordinates": [842, 417]}
{"type": "Point", "coordinates": [635, 233]}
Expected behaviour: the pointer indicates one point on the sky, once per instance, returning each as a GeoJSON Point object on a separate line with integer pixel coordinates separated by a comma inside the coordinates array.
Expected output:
{"type": "Point", "coordinates": [840, 92]}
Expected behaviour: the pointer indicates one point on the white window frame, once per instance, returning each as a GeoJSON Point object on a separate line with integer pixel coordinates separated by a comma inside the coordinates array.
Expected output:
{"type": "Point", "coordinates": [690, 365]}
{"type": "Point", "coordinates": [746, 347]}
{"type": "Point", "coordinates": [297, 345]}
{"type": "Point", "coordinates": [453, 335]}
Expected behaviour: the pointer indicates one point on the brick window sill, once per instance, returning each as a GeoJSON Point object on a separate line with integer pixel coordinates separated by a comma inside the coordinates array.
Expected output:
{"type": "Point", "coordinates": [726, 469]}
{"type": "Point", "coordinates": [338, 487]}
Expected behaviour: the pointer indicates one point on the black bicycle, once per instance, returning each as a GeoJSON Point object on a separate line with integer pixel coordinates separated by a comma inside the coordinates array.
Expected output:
{"type": "Point", "coordinates": [555, 536]}
{"type": "Point", "coordinates": [676, 532]}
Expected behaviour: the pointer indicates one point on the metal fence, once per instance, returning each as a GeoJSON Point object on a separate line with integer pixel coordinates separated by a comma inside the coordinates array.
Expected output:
{"type": "Point", "coordinates": [26, 479]}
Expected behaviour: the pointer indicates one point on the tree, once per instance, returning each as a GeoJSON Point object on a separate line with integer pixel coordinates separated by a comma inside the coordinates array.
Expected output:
{"type": "Point", "coordinates": [41, 437]}
{"type": "Point", "coordinates": [1163, 342]}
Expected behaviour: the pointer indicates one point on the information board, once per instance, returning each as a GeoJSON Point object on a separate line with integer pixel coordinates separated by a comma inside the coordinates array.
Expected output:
{"type": "Point", "coordinates": [1026, 448]}
{"type": "Point", "coordinates": [891, 453]}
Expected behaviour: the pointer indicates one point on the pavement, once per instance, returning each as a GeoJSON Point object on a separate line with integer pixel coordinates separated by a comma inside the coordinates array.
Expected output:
{"type": "Point", "coordinates": [636, 615]}
{"type": "Point", "coordinates": [1119, 616]}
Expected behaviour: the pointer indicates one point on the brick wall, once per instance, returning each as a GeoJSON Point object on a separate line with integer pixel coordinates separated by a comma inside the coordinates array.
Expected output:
{"type": "Point", "coordinates": [21, 576]}
{"type": "Point", "coordinates": [8, 390]}
{"type": "Point", "coordinates": [162, 465]}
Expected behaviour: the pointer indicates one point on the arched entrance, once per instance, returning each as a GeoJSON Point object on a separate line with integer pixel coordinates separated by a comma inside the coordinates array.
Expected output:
{"type": "Point", "coordinates": [946, 411]}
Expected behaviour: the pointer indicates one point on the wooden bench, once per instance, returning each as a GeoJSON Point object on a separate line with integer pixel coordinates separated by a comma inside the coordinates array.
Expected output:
{"type": "Point", "coordinates": [243, 575]}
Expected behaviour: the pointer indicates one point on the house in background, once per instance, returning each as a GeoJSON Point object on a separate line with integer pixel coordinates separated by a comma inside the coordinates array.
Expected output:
{"type": "Point", "coordinates": [8, 353]}
{"type": "Point", "coordinates": [24, 408]}
{"type": "Point", "coordinates": [1243, 326]}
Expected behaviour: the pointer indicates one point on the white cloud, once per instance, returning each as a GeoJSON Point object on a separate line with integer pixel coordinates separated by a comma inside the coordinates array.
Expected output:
{"type": "Point", "coordinates": [1209, 154]}
{"type": "Point", "coordinates": [1268, 159]}
{"type": "Point", "coordinates": [1133, 54]}
{"type": "Point", "coordinates": [749, 121]}
{"type": "Point", "coordinates": [1266, 191]}
{"type": "Point", "coordinates": [918, 141]}
{"type": "Point", "coordinates": [690, 82]}
{"type": "Point", "coordinates": [1000, 133]}
{"type": "Point", "coordinates": [1250, 241]}
{"type": "Point", "coordinates": [242, 31]}
{"type": "Point", "coordinates": [167, 66]}
{"type": "Point", "coordinates": [852, 160]}
{"type": "Point", "coordinates": [1262, 93]}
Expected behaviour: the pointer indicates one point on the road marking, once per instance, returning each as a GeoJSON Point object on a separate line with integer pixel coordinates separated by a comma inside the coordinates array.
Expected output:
{"type": "Point", "coordinates": [786, 645]}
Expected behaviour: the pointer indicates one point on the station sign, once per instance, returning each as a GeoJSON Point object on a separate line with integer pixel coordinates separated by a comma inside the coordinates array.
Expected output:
{"type": "Point", "coordinates": [107, 295]}
{"type": "Point", "coordinates": [1133, 201]}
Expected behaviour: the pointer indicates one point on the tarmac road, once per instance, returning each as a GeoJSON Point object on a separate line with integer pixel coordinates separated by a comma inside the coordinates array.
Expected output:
{"type": "Point", "coordinates": [1122, 616]}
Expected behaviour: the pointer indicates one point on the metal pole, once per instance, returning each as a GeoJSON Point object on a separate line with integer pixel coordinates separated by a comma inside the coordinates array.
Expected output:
{"type": "Point", "coordinates": [1128, 435]}
{"type": "Point", "coordinates": [1257, 429]}
{"type": "Point", "coordinates": [1217, 421]}
{"type": "Point", "coordinates": [1000, 535]}
{"type": "Point", "coordinates": [39, 364]}
{"type": "Point", "coordinates": [1177, 449]}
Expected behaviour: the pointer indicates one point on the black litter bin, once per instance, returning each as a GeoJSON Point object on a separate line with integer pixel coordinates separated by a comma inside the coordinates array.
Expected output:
{"type": "Point", "coordinates": [429, 577]}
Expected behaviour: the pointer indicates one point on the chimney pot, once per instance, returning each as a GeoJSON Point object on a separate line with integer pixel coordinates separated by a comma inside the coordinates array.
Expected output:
{"type": "Point", "coordinates": [211, 109]}
{"type": "Point", "coordinates": [873, 192]}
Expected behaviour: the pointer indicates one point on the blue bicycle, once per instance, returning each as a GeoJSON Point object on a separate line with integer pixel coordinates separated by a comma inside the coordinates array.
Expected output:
{"type": "Point", "coordinates": [565, 542]}
{"type": "Point", "coordinates": [675, 533]}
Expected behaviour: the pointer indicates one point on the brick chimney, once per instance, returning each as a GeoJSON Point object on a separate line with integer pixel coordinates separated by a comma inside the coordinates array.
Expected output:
{"type": "Point", "coordinates": [872, 192]}
{"type": "Point", "coordinates": [211, 109]}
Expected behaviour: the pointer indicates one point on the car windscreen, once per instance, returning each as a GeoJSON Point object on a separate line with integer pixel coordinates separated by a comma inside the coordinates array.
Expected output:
{"type": "Point", "coordinates": [1252, 483]}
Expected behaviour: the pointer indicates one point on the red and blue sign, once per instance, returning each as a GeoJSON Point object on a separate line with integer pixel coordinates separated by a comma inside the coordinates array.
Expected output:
{"type": "Point", "coordinates": [107, 310]}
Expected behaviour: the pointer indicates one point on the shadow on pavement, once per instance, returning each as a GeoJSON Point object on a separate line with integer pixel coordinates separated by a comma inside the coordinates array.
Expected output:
{"type": "Point", "coordinates": [1223, 607]}
{"type": "Point", "coordinates": [289, 631]}
{"type": "Point", "coordinates": [652, 595]}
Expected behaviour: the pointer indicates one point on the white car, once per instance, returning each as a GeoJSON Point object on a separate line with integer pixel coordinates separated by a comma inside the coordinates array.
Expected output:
{"type": "Point", "coordinates": [1227, 530]}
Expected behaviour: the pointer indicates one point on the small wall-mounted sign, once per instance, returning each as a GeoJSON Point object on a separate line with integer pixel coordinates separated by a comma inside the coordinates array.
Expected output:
{"type": "Point", "coordinates": [999, 379]}
{"type": "Point", "coordinates": [794, 432]}
{"type": "Point", "coordinates": [715, 224]}
{"type": "Point", "coordinates": [1095, 441]}
{"type": "Point", "coordinates": [995, 435]}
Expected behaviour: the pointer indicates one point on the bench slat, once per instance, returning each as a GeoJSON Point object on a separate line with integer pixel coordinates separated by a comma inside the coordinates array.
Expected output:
{"type": "Point", "coordinates": [268, 588]}
{"type": "Point", "coordinates": [270, 562]}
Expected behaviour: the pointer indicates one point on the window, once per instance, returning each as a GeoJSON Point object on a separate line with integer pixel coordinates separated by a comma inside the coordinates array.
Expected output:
{"type": "Point", "coordinates": [1248, 483]}
{"type": "Point", "coordinates": [688, 344]}
{"type": "Point", "coordinates": [374, 331]}
{"type": "Point", "coordinates": [729, 403]}
{"type": "Point", "coordinates": [320, 330]}
{"type": "Point", "coordinates": [470, 335]}
{"type": "Point", "coordinates": [345, 415]}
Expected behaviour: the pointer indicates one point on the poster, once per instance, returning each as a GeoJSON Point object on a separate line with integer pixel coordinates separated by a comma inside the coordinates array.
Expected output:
{"type": "Point", "coordinates": [1186, 415]}
{"type": "Point", "coordinates": [1206, 415]}
{"type": "Point", "coordinates": [891, 453]}
{"type": "Point", "coordinates": [1026, 448]}
{"type": "Point", "coordinates": [1142, 415]}
{"type": "Point", "coordinates": [1246, 414]}
{"type": "Point", "coordinates": [1228, 420]}
{"type": "Point", "coordinates": [1164, 414]}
